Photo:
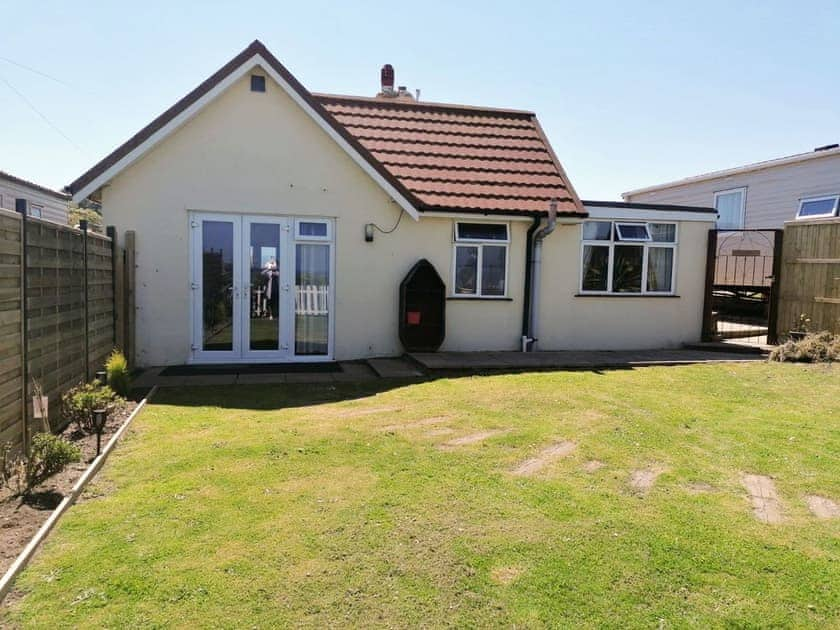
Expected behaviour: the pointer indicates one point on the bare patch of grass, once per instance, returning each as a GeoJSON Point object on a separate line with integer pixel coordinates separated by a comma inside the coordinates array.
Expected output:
{"type": "Point", "coordinates": [544, 457]}
{"type": "Point", "coordinates": [767, 506]}
{"type": "Point", "coordinates": [822, 507]}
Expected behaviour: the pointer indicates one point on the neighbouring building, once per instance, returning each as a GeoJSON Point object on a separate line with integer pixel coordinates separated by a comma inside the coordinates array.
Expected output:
{"type": "Point", "coordinates": [762, 195]}
{"type": "Point", "coordinates": [42, 202]}
{"type": "Point", "coordinates": [276, 224]}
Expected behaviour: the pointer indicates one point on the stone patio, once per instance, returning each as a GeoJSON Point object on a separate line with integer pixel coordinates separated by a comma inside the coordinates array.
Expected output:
{"type": "Point", "coordinates": [422, 364]}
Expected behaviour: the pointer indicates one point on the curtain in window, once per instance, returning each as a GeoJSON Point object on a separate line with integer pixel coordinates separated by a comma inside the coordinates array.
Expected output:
{"type": "Point", "coordinates": [312, 288]}
{"type": "Point", "coordinates": [660, 268]}
{"type": "Point", "coordinates": [493, 270]}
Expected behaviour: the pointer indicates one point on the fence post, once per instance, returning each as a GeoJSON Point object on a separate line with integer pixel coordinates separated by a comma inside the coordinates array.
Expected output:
{"type": "Point", "coordinates": [111, 231]}
{"type": "Point", "coordinates": [130, 288]}
{"type": "Point", "coordinates": [708, 330]}
{"type": "Point", "coordinates": [21, 206]}
{"type": "Point", "coordinates": [775, 287]}
{"type": "Point", "coordinates": [83, 226]}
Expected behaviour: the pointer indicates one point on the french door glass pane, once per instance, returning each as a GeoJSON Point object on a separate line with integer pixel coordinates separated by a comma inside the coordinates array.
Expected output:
{"type": "Point", "coordinates": [264, 300]}
{"type": "Point", "coordinates": [312, 289]}
{"type": "Point", "coordinates": [627, 269]}
{"type": "Point", "coordinates": [493, 270]}
{"type": "Point", "coordinates": [217, 285]}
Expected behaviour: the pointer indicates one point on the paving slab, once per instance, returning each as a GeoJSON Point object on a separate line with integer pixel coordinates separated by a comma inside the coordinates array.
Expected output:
{"type": "Point", "coordinates": [354, 372]}
{"type": "Point", "coordinates": [310, 377]}
{"type": "Point", "coordinates": [394, 368]}
{"type": "Point", "coordinates": [259, 379]}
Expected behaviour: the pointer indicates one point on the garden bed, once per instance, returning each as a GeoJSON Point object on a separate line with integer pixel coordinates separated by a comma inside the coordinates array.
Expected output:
{"type": "Point", "coordinates": [21, 516]}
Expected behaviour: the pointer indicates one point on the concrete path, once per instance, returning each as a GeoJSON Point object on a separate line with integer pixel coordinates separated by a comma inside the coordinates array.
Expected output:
{"type": "Point", "coordinates": [572, 359]}
{"type": "Point", "coordinates": [419, 364]}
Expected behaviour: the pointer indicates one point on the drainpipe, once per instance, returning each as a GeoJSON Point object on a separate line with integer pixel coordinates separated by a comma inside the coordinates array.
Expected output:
{"type": "Point", "coordinates": [526, 303]}
{"type": "Point", "coordinates": [536, 270]}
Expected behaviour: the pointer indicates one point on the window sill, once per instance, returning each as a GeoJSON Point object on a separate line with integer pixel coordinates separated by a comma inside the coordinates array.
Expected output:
{"type": "Point", "coordinates": [627, 295]}
{"type": "Point", "coordinates": [480, 298]}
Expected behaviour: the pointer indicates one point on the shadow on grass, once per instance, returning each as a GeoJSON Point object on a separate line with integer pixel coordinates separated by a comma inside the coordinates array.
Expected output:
{"type": "Point", "coordinates": [264, 397]}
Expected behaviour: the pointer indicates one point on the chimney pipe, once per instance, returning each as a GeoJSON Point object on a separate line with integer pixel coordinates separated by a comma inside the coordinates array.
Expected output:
{"type": "Point", "coordinates": [387, 76]}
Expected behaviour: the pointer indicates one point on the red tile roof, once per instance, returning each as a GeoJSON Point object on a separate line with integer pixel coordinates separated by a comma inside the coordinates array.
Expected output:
{"type": "Point", "coordinates": [457, 158]}
{"type": "Point", "coordinates": [435, 157]}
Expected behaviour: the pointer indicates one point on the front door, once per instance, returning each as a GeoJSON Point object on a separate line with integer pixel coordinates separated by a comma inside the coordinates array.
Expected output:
{"type": "Point", "coordinates": [261, 288]}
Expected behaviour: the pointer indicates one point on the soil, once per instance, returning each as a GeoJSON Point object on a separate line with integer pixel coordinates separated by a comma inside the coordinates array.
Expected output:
{"type": "Point", "coordinates": [21, 516]}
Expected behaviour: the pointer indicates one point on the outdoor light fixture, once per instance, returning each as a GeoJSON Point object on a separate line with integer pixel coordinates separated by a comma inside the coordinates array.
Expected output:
{"type": "Point", "coordinates": [368, 232]}
{"type": "Point", "coordinates": [99, 417]}
{"type": "Point", "coordinates": [102, 376]}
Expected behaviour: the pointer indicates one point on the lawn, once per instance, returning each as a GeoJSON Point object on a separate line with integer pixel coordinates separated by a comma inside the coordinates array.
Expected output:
{"type": "Point", "coordinates": [338, 505]}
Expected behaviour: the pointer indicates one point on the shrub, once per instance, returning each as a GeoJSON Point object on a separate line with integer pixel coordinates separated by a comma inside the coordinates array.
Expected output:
{"type": "Point", "coordinates": [78, 404]}
{"type": "Point", "coordinates": [812, 348]}
{"type": "Point", "coordinates": [118, 377]}
{"type": "Point", "coordinates": [49, 455]}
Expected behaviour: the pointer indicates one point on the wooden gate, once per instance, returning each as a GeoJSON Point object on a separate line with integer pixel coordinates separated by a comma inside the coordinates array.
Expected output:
{"type": "Point", "coordinates": [742, 279]}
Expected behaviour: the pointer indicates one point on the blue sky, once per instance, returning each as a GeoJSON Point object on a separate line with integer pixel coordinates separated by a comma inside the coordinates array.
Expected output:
{"type": "Point", "coordinates": [629, 93]}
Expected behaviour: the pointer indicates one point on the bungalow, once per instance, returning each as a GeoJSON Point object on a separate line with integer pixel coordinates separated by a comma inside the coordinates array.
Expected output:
{"type": "Point", "coordinates": [275, 224]}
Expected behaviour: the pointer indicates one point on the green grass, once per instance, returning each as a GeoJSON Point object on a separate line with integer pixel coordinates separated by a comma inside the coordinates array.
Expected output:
{"type": "Point", "coordinates": [291, 505]}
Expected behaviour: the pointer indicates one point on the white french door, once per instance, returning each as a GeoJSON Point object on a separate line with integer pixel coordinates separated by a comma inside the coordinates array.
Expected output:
{"type": "Point", "coordinates": [261, 288]}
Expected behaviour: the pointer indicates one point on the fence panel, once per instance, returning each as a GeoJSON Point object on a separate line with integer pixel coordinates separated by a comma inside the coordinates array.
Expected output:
{"type": "Point", "coordinates": [11, 341]}
{"type": "Point", "coordinates": [63, 330]}
{"type": "Point", "coordinates": [811, 275]}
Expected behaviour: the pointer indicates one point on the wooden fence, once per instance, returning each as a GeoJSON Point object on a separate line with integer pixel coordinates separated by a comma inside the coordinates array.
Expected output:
{"type": "Point", "coordinates": [810, 275]}
{"type": "Point", "coordinates": [72, 318]}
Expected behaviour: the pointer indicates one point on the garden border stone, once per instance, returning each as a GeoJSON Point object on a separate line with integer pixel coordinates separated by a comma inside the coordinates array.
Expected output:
{"type": "Point", "coordinates": [20, 563]}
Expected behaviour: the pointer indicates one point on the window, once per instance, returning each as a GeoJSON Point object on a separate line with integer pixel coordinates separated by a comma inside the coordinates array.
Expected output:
{"type": "Point", "coordinates": [257, 83]}
{"type": "Point", "coordinates": [619, 257]}
{"type": "Point", "coordinates": [312, 230]}
{"type": "Point", "coordinates": [36, 211]}
{"type": "Point", "coordinates": [632, 232]}
{"type": "Point", "coordinates": [480, 268]}
{"type": "Point", "coordinates": [816, 207]}
{"type": "Point", "coordinates": [730, 207]}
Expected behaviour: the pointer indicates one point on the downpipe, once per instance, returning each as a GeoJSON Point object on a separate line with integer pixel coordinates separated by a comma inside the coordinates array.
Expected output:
{"type": "Point", "coordinates": [529, 341]}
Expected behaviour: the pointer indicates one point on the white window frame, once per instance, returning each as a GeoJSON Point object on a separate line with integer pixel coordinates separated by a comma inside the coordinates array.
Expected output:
{"type": "Point", "coordinates": [618, 225]}
{"type": "Point", "coordinates": [306, 237]}
{"type": "Point", "coordinates": [479, 244]}
{"type": "Point", "coordinates": [742, 213]}
{"type": "Point", "coordinates": [645, 245]}
{"type": "Point", "coordinates": [805, 200]}
{"type": "Point", "coordinates": [36, 211]}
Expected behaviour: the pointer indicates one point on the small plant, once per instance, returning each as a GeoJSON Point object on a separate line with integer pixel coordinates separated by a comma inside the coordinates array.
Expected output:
{"type": "Point", "coordinates": [7, 461]}
{"type": "Point", "coordinates": [812, 348]}
{"type": "Point", "coordinates": [49, 455]}
{"type": "Point", "coordinates": [79, 403]}
{"type": "Point", "coordinates": [119, 378]}
{"type": "Point", "coordinates": [803, 324]}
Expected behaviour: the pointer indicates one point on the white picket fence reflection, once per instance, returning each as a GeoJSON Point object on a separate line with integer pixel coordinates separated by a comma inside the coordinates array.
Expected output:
{"type": "Point", "coordinates": [312, 299]}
